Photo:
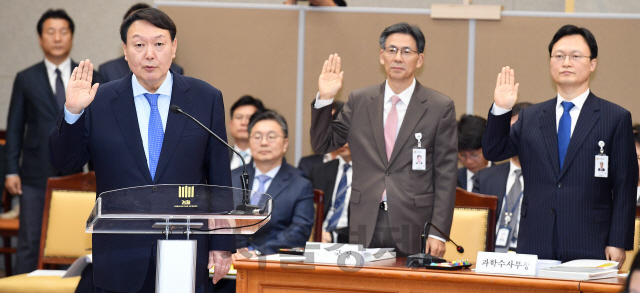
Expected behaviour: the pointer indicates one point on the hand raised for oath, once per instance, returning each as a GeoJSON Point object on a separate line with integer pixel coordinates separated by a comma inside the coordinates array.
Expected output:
{"type": "Point", "coordinates": [506, 93]}
{"type": "Point", "coordinates": [330, 80]}
{"type": "Point", "coordinates": [80, 93]}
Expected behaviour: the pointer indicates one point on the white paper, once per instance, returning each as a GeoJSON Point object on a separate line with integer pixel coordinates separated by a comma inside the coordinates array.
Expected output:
{"type": "Point", "coordinates": [590, 263]}
{"type": "Point", "coordinates": [40, 273]}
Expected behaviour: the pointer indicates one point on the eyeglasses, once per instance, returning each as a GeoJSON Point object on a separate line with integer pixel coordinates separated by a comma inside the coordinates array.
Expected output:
{"type": "Point", "coordinates": [405, 52]}
{"type": "Point", "coordinates": [572, 58]}
{"type": "Point", "coordinates": [271, 137]}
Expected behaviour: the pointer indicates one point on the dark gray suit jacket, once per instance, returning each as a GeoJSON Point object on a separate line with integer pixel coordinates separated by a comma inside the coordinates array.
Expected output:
{"type": "Point", "coordinates": [32, 114]}
{"type": "Point", "coordinates": [588, 213]}
{"type": "Point", "coordinates": [414, 197]}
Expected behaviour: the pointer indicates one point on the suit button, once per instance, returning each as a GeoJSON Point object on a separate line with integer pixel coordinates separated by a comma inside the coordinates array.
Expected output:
{"type": "Point", "coordinates": [559, 185]}
{"type": "Point", "coordinates": [154, 189]}
{"type": "Point", "coordinates": [387, 173]}
{"type": "Point", "coordinates": [553, 210]}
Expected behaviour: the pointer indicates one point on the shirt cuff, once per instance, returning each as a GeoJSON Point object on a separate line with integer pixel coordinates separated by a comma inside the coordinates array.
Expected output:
{"type": "Point", "coordinates": [322, 103]}
{"type": "Point", "coordinates": [70, 117]}
{"type": "Point", "coordinates": [497, 111]}
{"type": "Point", "coordinates": [436, 237]}
{"type": "Point", "coordinates": [10, 175]}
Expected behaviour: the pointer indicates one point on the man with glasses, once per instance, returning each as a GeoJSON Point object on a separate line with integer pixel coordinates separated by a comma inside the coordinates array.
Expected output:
{"type": "Point", "coordinates": [292, 218]}
{"type": "Point", "coordinates": [470, 131]}
{"type": "Point", "coordinates": [570, 210]}
{"type": "Point", "coordinates": [387, 126]}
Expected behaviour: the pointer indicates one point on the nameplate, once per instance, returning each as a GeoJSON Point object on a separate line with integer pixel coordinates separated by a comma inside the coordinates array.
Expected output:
{"type": "Point", "coordinates": [506, 263]}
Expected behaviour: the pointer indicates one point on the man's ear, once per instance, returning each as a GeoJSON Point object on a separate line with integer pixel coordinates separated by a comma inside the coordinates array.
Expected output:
{"type": "Point", "coordinates": [124, 49]}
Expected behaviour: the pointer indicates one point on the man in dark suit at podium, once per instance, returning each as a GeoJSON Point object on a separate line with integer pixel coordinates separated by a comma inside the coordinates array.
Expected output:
{"type": "Point", "coordinates": [119, 68]}
{"type": "Point", "coordinates": [126, 129]}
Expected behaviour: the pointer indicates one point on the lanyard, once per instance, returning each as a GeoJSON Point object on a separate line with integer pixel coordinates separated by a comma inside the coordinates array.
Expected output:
{"type": "Point", "coordinates": [508, 215]}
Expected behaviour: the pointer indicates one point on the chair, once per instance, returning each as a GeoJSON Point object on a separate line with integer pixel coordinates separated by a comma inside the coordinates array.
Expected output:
{"type": "Point", "coordinates": [68, 202]}
{"type": "Point", "coordinates": [318, 202]}
{"type": "Point", "coordinates": [473, 226]}
{"type": "Point", "coordinates": [636, 244]}
{"type": "Point", "coordinates": [8, 228]}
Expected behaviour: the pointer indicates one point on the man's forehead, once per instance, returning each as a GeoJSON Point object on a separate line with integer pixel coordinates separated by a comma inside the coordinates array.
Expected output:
{"type": "Point", "coordinates": [56, 23]}
{"type": "Point", "coordinates": [145, 29]}
{"type": "Point", "coordinates": [400, 40]}
{"type": "Point", "coordinates": [571, 43]}
{"type": "Point", "coordinates": [267, 126]}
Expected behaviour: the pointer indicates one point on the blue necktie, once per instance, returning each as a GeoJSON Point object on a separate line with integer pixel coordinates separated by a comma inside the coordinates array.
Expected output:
{"type": "Point", "coordinates": [262, 179]}
{"type": "Point", "coordinates": [339, 202]}
{"type": "Point", "coordinates": [156, 133]}
{"type": "Point", "coordinates": [564, 131]}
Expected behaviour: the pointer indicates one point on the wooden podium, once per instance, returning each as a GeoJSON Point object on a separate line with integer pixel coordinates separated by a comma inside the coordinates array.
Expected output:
{"type": "Point", "coordinates": [393, 276]}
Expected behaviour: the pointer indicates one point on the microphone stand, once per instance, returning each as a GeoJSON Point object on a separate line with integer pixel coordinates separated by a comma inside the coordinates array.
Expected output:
{"type": "Point", "coordinates": [423, 259]}
{"type": "Point", "coordinates": [245, 208]}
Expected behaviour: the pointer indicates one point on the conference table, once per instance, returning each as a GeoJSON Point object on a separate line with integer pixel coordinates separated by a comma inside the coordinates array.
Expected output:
{"type": "Point", "coordinates": [392, 275]}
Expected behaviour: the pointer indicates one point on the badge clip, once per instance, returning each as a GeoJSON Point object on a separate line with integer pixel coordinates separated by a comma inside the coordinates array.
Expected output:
{"type": "Point", "coordinates": [601, 144]}
{"type": "Point", "coordinates": [418, 137]}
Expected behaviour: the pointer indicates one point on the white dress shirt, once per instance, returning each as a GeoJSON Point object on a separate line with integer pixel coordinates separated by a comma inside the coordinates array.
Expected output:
{"type": "Point", "coordinates": [65, 72]}
{"type": "Point", "coordinates": [235, 160]}
{"type": "Point", "coordinates": [574, 112]}
{"type": "Point", "coordinates": [143, 109]}
{"type": "Point", "coordinates": [510, 181]}
{"type": "Point", "coordinates": [256, 183]}
{"type": "Point", "coordinates": [344, 217]}
{"type": "Point", "coordinates": [638, 194]}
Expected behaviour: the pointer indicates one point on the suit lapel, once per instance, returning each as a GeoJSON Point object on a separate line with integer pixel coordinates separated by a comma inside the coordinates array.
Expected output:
{"type": "Point", "coordinates": [549, 133]}
{"type": "Point", "coordinates": [589, 116]}
{"type": "Point", "coordinates": [415, 110]}
{"type": "Point", "coordinates": [51, 101]}
{"type": "Point", "coordinates": [175, 122]}
{"type": "Point", "coordinates": [375, 108]}
{"type": "Point", "coordinates": [124, 109]}
{"type": "Point", "coordinates": [279, 183]}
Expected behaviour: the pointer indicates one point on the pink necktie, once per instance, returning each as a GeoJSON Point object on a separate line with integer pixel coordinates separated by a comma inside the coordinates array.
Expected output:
{"type": "Point", "coordinates": [390, 129]}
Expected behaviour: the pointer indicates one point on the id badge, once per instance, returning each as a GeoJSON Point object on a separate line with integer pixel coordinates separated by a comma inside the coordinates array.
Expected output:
{"type": "Point", "coordinates": [419, 156]}
{"type": "Point", "coordinates": [502, 240]}
{"type": "Point", "coordinates": [602, 166]}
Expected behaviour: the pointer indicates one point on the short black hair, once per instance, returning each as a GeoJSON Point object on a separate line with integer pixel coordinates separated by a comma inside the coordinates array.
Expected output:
{"type": "Point", "coordinates": [269, 115]}
{"type": "Point", "coordinates": [59, 14]}
{"type": "Point", "coordinates": [154, 16]}
{"type": "Point", "coordinates": [470, 131]}
{"type": "Point", "coordinates": [135, 8]}
{"type": "Point", "coordinates": [407, 29]}
{"type": "Point", "coordinates": [571, 29]}
{"type": "Point", "coordinates": [336, 105]}
{"type": "Point", "coordinates": [518, 107]}
{"type": "Point", "coordinates": [247, 100]}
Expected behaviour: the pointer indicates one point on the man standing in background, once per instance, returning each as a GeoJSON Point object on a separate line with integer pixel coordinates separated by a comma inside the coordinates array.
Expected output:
{"type": "Point", "coordinates": [37, 97]}
{"type": "Point", "coordinates": [241, 111]}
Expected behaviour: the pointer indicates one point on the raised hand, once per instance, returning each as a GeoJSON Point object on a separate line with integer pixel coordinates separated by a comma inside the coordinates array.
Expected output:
{"type": "Point", "coordinates": [80, 93]}
{"type": "Point", "coordinates": [330, 80]}
{"type": "Point", "coordinates": [506, 93]}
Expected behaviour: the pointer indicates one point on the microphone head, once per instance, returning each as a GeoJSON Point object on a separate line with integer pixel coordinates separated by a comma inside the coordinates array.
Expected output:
{"type": "Point", "coordinates": [174, 108]}
{"type": "Point", "coordinates": [460, 249]}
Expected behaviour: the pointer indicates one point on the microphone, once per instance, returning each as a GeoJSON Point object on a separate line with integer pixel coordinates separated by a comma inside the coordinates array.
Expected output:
{"type": "Point", "coordinates": [245, 208]}
{"type": "Point", "coordinates": [423, 259]}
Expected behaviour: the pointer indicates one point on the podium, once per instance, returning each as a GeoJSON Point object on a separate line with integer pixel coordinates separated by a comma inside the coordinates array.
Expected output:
{"type": "Point", "coordinates": [176, 209]}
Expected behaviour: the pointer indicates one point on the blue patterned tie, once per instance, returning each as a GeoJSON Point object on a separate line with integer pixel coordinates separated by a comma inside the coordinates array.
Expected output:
{"type": "Point", "coordinates": [156, 133]}
{"type": "Point", "coordinates": [339, 202]}
{"type": "Point", "coordinates": [255, 199]}
{"type": "Point", "coordinates": [564, 131]}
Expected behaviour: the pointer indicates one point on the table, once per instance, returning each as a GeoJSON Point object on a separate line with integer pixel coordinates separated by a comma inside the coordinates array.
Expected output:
{"type": "Point", "coordinates": [393, 276]}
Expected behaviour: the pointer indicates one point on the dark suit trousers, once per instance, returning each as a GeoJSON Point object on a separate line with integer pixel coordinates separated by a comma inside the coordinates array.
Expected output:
{"type": "Point", "coordinates": [31, 209]}
{"type": "Point", "coordinates": [149, 285]}
{"type": "Point", "coordinates": [382, 237]}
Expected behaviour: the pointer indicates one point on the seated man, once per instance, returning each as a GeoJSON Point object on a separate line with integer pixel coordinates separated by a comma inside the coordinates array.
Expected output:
{"type": "Point", "coordinates": [500, 181]}
{"type": "Point", "coordinates": [292, 217]}
{"type": "Point", "coordinates": [241, 112]}
{"type": "Point", "coordinates": [334, 178]}
{"type": "Point", "coordinates": [470, 131]}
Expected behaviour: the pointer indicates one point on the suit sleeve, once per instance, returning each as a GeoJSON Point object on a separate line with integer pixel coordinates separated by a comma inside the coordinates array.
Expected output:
{"type": "Point", "coordinates": [297, 234]}
{"type": "Point", "coordinates": [445, 170]}
{"type": "Point", "coordinates": [15, 127]}
{"type": "Point", "coordinates": [68, 143]}
{"type": "Point", "coordinates": [326, 134]}
{"type": "Point", "coordinates": [500, 140]}
{"type": "Point", "coordinates": [624, 171]}
{"type": "Point", "coordinates": [218, 172]}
